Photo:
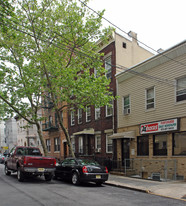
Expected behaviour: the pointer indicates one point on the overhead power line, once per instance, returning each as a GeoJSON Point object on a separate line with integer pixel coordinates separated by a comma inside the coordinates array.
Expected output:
{"type": "Point", "coordinates": [68, 48]}
{"type": "Point", "coordinates": [129, 35]}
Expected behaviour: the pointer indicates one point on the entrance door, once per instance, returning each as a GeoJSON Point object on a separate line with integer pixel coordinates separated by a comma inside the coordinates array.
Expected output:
{"type": "Point", "coordinates": [125, 148]}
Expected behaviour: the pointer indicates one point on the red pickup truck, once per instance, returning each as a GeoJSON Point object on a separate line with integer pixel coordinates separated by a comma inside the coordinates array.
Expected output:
{"type": "Point", "coordinates": [28, 161]}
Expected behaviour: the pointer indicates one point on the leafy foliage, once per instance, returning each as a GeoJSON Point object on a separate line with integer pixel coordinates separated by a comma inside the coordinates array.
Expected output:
{"type": "Point", "coordinates": [50, 48]}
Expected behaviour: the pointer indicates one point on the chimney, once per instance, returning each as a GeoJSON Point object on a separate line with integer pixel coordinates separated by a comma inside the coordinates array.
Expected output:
{"type": "Point", "coordinates": [133, 35]}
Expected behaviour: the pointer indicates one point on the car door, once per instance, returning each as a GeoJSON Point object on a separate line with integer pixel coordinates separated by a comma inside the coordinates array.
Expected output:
{"type": "Point", "coordinates": [67, 167]}
{"type": "Point", "coordinates": [10, 158]}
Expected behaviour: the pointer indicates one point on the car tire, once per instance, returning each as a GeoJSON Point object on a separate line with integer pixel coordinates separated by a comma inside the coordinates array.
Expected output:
{"type": "Point", "coordinates": [48, 177]}
{"type": "Point", "coordinates": [75, 179]}
{"type": "Point", "coordinates": [7, 172]}
{"type": "Point", "coordinates": [20, 175]}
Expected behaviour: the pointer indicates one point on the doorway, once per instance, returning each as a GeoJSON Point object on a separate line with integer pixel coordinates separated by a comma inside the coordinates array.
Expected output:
{"type": "Point", "coordinates": [125, 149]}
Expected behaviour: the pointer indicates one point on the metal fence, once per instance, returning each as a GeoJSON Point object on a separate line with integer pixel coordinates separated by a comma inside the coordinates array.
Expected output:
{"type": "Point", "coordinates": [160, 170]}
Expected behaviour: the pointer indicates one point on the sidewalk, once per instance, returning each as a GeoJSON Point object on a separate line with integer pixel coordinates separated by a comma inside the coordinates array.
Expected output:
{"type": "Point", "coordinates": [171, 189]}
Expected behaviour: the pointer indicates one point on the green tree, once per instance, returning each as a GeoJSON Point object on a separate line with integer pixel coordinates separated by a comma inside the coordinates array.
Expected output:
{"type": "Point", "coordinates": [53, 48]}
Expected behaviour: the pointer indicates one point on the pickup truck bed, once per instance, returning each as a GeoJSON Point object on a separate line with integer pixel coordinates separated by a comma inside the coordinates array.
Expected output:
{"type": "Point", "coordinates": [28, 161]}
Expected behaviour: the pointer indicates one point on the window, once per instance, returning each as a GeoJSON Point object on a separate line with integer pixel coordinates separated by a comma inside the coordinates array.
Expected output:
{"type": "Point", "coordinates": [181, 89]}
{"type": "Point", "coordinates": [150, 101]}
{"type": "Point", "coordinates": [72, 118]}
{"type": "Point", "coordinates": [88, 114]}
{"type": "Point", "coordinates": [56, 144]}
{"type": "Point", "coordinates": [108, 144]}
{"type": "Point", "coordinates": [108, 67]}
{"type": "Point", "coordinates": [48, 144]}
{"type": "Point", "coordinates": [80, 116]}
{"type": "Point", "coordinates": [109, 109]}
{"type": "Point", "coordinates": [143, 146]}
{"type": "Point", "coordinates": [73, 144]}
{"type": "Point", "coordinates": [97, 113]}
{"type": "Point", "coordinates": [160, 144]}
{"type": "Point", "coordinates": [81, 145]}
{"type": "Point", "coordinates": [179, 143]}
{"type": "Point", "coordinates": [98, 143]}
{"type": "Point", "coordinates": [126, 105]}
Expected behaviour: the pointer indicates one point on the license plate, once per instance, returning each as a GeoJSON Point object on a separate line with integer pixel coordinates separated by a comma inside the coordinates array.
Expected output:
{"type": "Point", "coordinates": [41, 169]}
{"type": "Point", "coordinates": [98, 176]}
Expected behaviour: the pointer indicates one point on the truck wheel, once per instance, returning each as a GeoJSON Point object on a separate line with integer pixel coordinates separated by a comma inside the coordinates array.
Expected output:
{"type": "Point", "coordinates": [75, 179]}
{"type": "Point", "coordinates": [7, 172]}
{"type": "Point", "coordinates": [20, 175]}
{"type": "Point", "coordinates": [48, 177]}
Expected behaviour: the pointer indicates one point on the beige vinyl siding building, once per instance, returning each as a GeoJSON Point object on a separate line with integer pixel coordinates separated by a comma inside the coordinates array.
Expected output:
{"type": "Point", "coordinates": [151, 111]}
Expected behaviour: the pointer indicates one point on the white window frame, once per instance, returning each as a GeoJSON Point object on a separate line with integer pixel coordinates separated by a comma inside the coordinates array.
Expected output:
{"type": "Point", "coordinates": [72, 117]}
{"type": "Point", "coordinates": [107, 145]}
{"type": "Point", "coordinates": [56, 144]}
{"type": "Point", "coordinates": [97, 147]}
{"type": "Point", "coordinates": [177, 90]}
{"type": "Point", "coordinates": [48, 145]}
{"type": "Point", "coordinates": [80, 116]}
{"type": "Point", "coordinates": [97, 113]}
{"type": "Point", "coordinates": [146, 104]}
{"type": "Point", "coordinates": [109, 108]}
{"type": "Point", "coordinates": [108, 67]}
{"type": "Point", "coordinates": [126, 108]}
{"type": "Point", "coordinates": [80, 145]}
{"type": "Point", "coordinates": [88, 114]}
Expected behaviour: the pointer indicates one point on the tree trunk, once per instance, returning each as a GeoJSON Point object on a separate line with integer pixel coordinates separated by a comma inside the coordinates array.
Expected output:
{"type": "Point", "coordinates": [41, 139]}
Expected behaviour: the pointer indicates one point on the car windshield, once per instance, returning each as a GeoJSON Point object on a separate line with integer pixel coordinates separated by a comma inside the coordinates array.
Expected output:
{"type": "Point", "coordinates": [28, 151]}
{"type": "Point", "coordinates": [87, 162]}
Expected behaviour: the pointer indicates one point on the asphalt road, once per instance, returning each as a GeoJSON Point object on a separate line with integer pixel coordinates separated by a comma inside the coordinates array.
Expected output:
{"type": "Point", "coordinates": [38, 192]}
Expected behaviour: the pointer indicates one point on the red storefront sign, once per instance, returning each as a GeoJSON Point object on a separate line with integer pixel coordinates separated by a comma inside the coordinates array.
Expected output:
{"type": "Point", "coordinates": [161, 126]}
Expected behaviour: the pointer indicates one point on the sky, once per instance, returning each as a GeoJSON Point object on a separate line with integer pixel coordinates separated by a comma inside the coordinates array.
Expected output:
{"type": "Point", "coordinates": [158, 23]}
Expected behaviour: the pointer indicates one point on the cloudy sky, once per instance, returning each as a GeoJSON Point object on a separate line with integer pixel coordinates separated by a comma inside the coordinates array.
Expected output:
{"type": "Point", "coordinates": [158, 23]}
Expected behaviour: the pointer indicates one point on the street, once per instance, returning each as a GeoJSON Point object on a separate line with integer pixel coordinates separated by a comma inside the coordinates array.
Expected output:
{"type": "Point", "coordinates": [38, 192]}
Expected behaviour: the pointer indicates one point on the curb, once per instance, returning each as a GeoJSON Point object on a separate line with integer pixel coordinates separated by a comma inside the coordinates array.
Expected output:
{"type": "Point", "coordinates": [127, 187]}
{"type": "Point", "coordinates": [141, 190]}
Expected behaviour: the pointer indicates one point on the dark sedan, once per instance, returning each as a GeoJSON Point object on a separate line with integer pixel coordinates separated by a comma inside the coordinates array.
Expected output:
{"type": "Point", "coordinates": [81, 170]}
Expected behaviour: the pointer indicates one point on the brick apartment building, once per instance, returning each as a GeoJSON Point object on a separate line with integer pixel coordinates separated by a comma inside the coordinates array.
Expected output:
{"type": "Point", "coordinates": [89, 130]}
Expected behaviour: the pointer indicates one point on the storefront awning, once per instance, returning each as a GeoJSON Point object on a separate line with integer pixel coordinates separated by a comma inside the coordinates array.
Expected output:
{"type": "Point", "coordinates": [130, 134]}
{"type": "Point", "coordinates": [86, 131]}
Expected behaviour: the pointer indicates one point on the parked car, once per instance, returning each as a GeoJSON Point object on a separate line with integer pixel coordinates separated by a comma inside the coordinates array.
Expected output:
{"type": "Point", "coordinates": [28, 161]}
{"type": "Point", "coordinates": [2, 159]}
{"type": "Point", "coordinates": [81, 170]}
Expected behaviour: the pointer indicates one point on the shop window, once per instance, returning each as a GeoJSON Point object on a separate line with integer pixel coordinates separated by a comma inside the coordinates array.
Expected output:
{"type": "Point", "coordinates": [143, 146]}
{"type": "Point", "coordinates": [179, 143]}
{"type": "Point", "coordinates": [150, 98]}
{"type": "Point", "coordinates": [181, 89]}
{"type": "Point", "coordinates": [56, 144]}
{"type": "Point", "coordinates": [160, 145]}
